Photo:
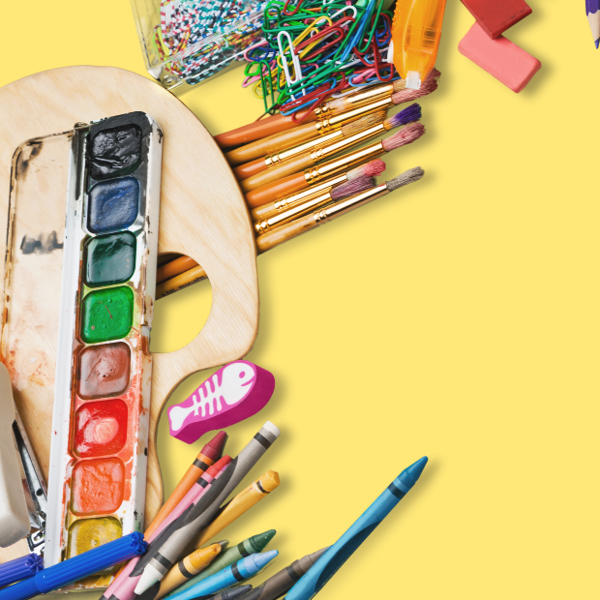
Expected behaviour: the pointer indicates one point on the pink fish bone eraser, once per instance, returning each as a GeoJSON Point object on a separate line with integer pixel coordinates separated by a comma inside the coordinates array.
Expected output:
{"type": "Point", "coordinates": [496, 16]}
{"type": "Point", "coordinates": [500, 57]}
{"type": "Point", "coordinates": [235, 392]}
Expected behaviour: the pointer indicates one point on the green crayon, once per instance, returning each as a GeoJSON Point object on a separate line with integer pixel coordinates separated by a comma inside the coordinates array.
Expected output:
{"type": "Point", "coordinates": [256, 543]}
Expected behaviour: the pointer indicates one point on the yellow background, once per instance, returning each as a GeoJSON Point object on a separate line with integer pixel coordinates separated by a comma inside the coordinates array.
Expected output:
{"type": "Point", "coordinates": [458, 318]}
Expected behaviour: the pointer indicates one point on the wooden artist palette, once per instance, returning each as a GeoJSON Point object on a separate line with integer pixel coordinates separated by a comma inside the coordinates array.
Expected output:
{"type": "Point", "coordinates": [202, 215]}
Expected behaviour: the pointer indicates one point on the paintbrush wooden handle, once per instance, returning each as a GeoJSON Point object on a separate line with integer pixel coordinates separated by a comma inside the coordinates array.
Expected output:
{"type": "Point", "coordinates": [275, 191]}
{"type": "Point", "coordinates": [272, 174]}
{"type": "Point", "coordinates": [285, 232]}
{"type": "Point", "coordinates": [248, 169]}
{"type": "Point", "coordinates": [293, 135]}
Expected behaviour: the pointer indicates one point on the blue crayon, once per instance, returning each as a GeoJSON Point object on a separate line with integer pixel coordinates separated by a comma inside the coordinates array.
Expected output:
{"type": "Point", "coordinates": [329, 563]}
{"type": "Point", "coordinates": [233, 574]}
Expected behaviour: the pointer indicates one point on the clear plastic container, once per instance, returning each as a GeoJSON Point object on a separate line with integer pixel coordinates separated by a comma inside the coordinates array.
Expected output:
{"type": "Point", "coordinates": [186, 41]}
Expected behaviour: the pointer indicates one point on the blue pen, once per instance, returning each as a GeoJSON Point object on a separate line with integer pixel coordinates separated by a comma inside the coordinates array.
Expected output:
{"type": "Point", "coordinates": [76, 568]}
{"type": "Point", "coordinates": [327, 566]}
{"type": "Point", "coordinates": [233, 574]}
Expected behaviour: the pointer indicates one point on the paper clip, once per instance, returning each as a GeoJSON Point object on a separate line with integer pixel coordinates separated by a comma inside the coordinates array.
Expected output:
{"type": "Point", "coordinates": [284, 63]}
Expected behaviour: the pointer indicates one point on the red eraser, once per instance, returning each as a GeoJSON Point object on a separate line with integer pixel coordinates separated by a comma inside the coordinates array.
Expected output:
{"type": "Point", "coordinates": [500, 57]}
{"type": "Point", "coordinates": [495, 17]}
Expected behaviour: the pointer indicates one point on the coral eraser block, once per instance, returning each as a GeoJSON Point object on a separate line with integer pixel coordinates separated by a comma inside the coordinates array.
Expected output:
{"type": "Point", "coordinates": [500, 57]}
{"type": "Point", "coordinates": [496, 16]}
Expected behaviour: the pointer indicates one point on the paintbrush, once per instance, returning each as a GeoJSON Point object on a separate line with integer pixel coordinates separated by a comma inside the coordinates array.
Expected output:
{"type": "Point", "coordinates": [303, 224]}
{"type": "Point", "coordinates": [301, 133]}
{"type": "Point", "coordinates": [299, 181]}
{"type": "Point", "coordinates": [355, 133]}
{"type": "Point", "coordinates": [278, 123]}
{"type": "Point", "coordinates": [263, 163]}
{"type": "Point", "coordinates": [197, 273]}
{"type": "Point", "coordinates": [318, 201]}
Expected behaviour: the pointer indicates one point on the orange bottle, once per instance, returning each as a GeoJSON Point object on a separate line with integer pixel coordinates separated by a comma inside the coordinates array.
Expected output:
{"type": "Point", "coordinates": [416, 34]}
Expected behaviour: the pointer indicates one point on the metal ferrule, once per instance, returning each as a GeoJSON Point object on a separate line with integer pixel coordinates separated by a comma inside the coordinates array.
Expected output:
{"type": "Point", "coordinates": [346, 142]}
{"type": "Point", "coordinates": [344, 206]}
{"type": "Point", "coordinates": [282, 155]}
{"type": "Point", "coordinates": [317, 172]}
{"type": "Point", "coordinates": [359, 97]}
{"type": "Point", "coordinates": [292, 212]}
{"type": "Point", "coordinates": [359, 111]}
{"type": "Point", "coordinates": [304, 194]}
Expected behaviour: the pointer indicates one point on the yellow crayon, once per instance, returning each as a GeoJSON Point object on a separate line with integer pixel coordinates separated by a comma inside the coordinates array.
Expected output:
{"type": "Point", "coordinates": [245, 500]}
{"type": "Point", "coordinates": [187, 567]}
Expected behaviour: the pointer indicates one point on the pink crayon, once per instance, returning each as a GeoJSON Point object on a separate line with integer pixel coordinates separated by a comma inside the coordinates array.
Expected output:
{"type": "Point", "coordinates": [235, 392]}
{"type": "Point", "coordinates": [122, 588]}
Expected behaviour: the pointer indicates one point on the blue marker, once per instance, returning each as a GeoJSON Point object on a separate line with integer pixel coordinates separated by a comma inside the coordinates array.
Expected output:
{"type": "Point", "coordinates": [326, 567]}
{"type": "Point", "coordinates": [233, 574]}
{"type": "Point", "coordinates": [76, 568]}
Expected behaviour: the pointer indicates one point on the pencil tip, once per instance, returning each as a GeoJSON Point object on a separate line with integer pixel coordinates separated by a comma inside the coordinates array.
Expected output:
{"type": "Point", "coordinates": [597, 42]}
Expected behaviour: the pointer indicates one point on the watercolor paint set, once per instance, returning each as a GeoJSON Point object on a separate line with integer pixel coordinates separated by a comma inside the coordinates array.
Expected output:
{"type": "Point", "coordinates": [97, 462]}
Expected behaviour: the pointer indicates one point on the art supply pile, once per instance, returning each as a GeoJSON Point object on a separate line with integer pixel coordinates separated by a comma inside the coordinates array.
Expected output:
{"type": "Point", "coordinates": [299, 176]}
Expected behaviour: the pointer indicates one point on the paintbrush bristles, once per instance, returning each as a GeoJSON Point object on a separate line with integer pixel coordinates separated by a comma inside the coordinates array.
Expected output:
{"type": "Point", "coordinates": [363, 123]}
{"type": "Point", "coordinates": [407, 177]}
{"type": "Point", "coordinates": [352, 187]}
{"type": "Point", "coordinates": [405, 136]}
{"type": "Point", "coordinates": [428, 86]}
{"type": "Point", "coordinates": [370, 169]}
{"type": "Point", "coordinates": [404, 117]}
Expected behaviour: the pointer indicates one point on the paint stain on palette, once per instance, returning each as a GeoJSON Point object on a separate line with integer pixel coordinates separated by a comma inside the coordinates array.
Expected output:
{"type": "Point", "coordinates": [101, 496]}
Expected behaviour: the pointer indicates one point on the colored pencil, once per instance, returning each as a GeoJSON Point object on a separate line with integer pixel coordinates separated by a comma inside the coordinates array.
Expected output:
{"type": "Point", "coordinates": [352, 134]}
{"type": "Point", "coordinates": [292, 183]}
{"type": "Point", "coordinates": [592, 9]}
{"type": "Point", "coordinates": [333, 211]}
{"type": "Point", "coordinates": [333, 558]}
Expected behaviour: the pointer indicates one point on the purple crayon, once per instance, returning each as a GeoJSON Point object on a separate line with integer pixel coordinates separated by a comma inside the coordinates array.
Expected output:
{"type": "Point", "coordinates": [235, 392]}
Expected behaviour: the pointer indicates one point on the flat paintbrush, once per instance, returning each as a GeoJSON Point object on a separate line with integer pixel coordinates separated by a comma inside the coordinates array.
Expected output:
{"type": "Point", "coordinates": [303, 224]}
{"type": "Point", "coordinates": [197, 273]}
{"type": "Point", "coordinates": [278, 123]}
{"type": "Point", "coordinates": [263, 163]}
{"type": "Point", "coordinates": [292, 183]}
{"type": "Point", "coordinates": [301, 133]}
{"type": "Point", "coordinates": [355, 133]}
{"type": "Point", "coordinates": [314, 202]}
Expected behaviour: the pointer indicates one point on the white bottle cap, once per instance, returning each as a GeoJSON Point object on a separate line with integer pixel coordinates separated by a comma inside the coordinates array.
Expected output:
{"type": "Point", "coordinates": [413, 80]}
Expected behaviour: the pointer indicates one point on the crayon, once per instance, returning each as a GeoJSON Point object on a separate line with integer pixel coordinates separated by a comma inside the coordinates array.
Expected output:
{"type": "Point", "coordinates": [244, 501]}
{"type": "Point", "coordinates": [122, 587]}
{"type": "Point", "coordinates": [165, 551]}
{"type": "Point", "coordinates": [281, 582]}
{"type": "Point", "coordinates": [338, 554]}
{"type": "Point", "coordinates": [251, 545]}
{"type": "Point", "coordinates": [206, 457]}
{"type": "Point", "coordinates": [231, 593]}
{"type": "Point", "coordinates": [231, 575]}
{"type": "Point", "coordinates": [183, 571]}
